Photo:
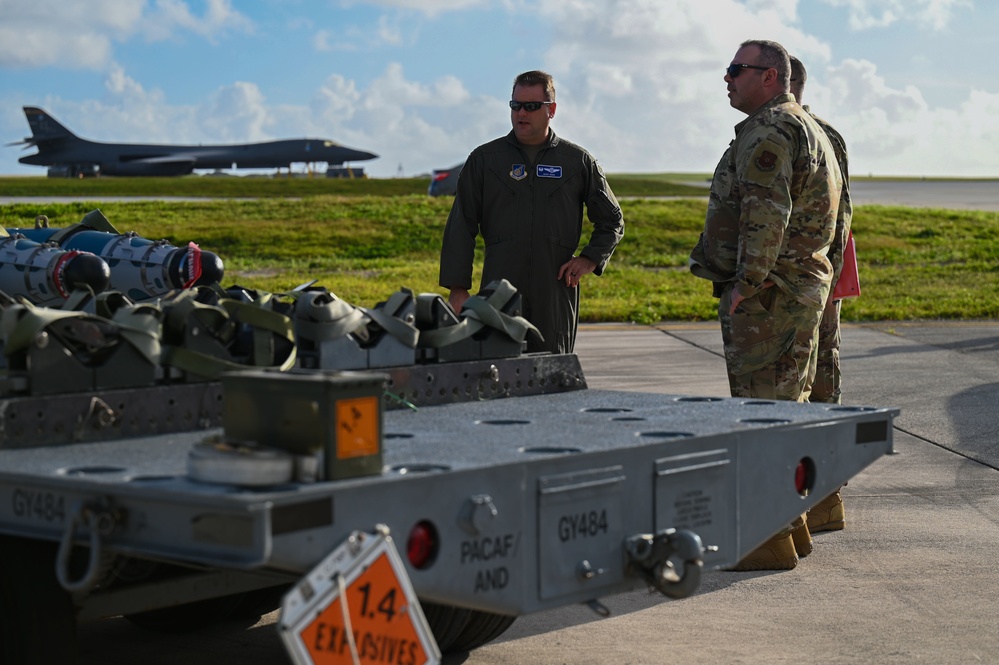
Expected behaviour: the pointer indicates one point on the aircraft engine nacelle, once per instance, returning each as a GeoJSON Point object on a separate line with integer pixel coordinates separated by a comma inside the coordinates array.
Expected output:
{"type": "Point", "coordinates": [140, 268]}
{"type": "Point", "coordinates": [46, 274]}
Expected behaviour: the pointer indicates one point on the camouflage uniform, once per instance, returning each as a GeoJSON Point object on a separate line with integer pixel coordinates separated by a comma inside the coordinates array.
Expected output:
{"type": "Point", "coordinates": [828, 375]}
{"type": "Point", "coordinates": [531, 220]}
{"type": "Point", "coordinates": [771, 218]}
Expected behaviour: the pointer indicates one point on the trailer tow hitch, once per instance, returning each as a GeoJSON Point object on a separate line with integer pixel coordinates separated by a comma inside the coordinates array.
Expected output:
{"type": "Point", "coordinates": [652, 556]}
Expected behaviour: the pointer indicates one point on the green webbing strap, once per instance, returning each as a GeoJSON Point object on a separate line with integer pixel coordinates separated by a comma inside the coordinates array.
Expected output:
{"type": "Point", "coordinates": [140, 329]}
{"type": "Point", "coordinates": [59, 236]}
{"type": "Point", "coordinates": [397, 328]}
{"type": "Point", "coordinates": [264, 321]}
{"type": "Point", "coordinates": [21, 324]}
{"type": "Point", "coordinates": [488, 312]}
{"type": "Point", "coordinates": [182, 306]}
{"type": "Point", "coordinates": [200, 364]}
{"type": "Point", "coordinates": [78, 299]}
{"type": "Point", "coordinates": [479, 313]}
{"type": "Point", "coordinates": [93, 220]}
{"type": "Point", "coordinates": [139, 325]}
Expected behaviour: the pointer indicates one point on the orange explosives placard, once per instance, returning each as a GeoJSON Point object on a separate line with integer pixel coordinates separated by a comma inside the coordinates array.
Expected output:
{"type": "Point", "coordinates": [380, 622]}
{"type": "Point", "coordinates": [357, 427]}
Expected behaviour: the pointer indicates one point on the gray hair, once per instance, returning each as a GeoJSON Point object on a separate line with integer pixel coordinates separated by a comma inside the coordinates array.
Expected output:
{"type": "Point", "coordinates": [773, 55]}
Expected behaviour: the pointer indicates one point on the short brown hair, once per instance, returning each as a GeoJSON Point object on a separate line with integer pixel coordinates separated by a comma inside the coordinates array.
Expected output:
{"type": "Point", "coordinates": [537, 77]}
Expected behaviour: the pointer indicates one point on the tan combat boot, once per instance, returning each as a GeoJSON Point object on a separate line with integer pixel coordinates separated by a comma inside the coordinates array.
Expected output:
{"type": "Point", "coordinates": [800, 536]}
{"type": "Point", "coordinates": [778, 553]}
{"type": "Point", "coordinates": [828, 514]}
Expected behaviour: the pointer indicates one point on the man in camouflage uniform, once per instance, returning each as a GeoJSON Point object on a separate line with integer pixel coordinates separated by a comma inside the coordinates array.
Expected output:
{"type": "Point", "coordinates": [829, 514]}
{"type": "Point", "coordinates": [770, 222]}
{"type": "Point", "coordinates": [828, 375]}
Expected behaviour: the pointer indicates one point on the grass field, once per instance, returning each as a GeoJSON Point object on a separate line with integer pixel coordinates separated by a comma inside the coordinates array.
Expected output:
{"type": "Point", "coordinates": [914, 263]}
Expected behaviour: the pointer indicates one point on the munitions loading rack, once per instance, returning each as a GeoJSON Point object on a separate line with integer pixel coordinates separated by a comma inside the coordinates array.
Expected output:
{"type": "Point", "coordinates": [513, 486]}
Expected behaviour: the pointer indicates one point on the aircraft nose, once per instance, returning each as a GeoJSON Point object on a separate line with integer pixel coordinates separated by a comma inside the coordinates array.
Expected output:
{"type": "Point", "coordinates": [359, 155]}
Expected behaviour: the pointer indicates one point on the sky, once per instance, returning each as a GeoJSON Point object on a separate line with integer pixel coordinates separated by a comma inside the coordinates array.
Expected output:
{"type": "Point", "coordinates": [422, 82]}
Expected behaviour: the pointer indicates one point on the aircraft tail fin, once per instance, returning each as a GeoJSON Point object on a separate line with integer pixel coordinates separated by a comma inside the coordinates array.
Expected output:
{"type": "Point", "coordinates": [43, 126]}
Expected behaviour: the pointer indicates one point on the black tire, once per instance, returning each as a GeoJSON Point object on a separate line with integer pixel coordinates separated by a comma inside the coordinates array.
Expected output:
{"type": "Point", "coordinates": [37, 616]}
{"type": "Point", "coordinates": [446, 622]}
{"type": "Point", "coordinates": [255, 604]}
{"type": "Point", "coordinates": [481, 628]}
{"type": "Point", "coordinates": [189, 616]}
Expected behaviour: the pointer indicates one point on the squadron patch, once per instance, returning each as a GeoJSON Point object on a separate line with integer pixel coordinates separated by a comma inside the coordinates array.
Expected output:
{"type": "Point", "coordinates": [518, 171]}
{"type": "Point", "coordinates": [766, 161]}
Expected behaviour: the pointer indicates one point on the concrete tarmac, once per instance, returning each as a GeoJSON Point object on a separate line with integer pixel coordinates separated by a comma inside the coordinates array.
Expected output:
{"type": "Point", "coordinates": [912, 578]}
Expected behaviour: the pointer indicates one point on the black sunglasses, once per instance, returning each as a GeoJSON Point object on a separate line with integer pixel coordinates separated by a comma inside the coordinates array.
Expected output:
{"type": "Point", "coordinates": [736, 68]}
{"type": "Point", "coordinates": [531, 107]}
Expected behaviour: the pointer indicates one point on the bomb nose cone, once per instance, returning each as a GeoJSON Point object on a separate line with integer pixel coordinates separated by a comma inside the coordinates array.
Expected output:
{"type": "Point", "coordinates": [86, 270]}
{"type": "Point", "coordinates": [212, 270]}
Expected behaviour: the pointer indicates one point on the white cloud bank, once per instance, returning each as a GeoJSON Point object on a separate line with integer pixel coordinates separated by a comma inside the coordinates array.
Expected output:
{"type": "Point", "coordinates": [639, 84]}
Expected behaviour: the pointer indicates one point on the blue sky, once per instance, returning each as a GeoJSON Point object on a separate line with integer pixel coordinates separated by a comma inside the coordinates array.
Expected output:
{"type": "Point", "coordinates": [909, 83]}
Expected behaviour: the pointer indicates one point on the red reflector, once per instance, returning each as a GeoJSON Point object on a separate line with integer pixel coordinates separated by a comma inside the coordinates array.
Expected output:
{"type": "Point", "coordinates": [421, 548]}
{"type": "Point", "coordinates": [440, 175]}
{"type": "Point", "coordinates": [804, 476]}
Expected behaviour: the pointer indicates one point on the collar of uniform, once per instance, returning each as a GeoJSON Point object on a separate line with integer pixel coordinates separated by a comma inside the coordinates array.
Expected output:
{"type": "Point", "coordinates": [550, 143]}
{"type": "Point", "coordinates": [782, 98]}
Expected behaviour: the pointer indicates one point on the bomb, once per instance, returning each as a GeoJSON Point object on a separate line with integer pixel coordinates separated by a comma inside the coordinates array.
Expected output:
{"type": "Point", "coordinates": [140, 268]}
{"type": "Point", "coordinates": [46, 274]}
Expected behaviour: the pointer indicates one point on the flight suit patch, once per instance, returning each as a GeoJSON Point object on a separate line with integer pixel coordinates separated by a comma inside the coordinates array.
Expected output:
{"type": "Point", "coordinates": [518, 171]}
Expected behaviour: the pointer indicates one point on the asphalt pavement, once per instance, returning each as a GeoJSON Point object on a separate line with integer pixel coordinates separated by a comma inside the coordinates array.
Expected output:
{"type": "Point", "coordinates": [912, 578]}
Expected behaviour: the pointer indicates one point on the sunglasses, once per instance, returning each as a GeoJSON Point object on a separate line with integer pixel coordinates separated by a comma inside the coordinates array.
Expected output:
{"type": "Point", "coordinates": [530, 107]}
{"type": "Point", "coordinates": [736, 68]}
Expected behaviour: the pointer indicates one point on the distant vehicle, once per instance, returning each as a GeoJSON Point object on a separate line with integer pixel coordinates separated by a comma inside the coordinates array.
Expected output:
{"type": "Point", "coordinates": [444, 182]}
{"type": "Point", "coordinates": [68, 155]}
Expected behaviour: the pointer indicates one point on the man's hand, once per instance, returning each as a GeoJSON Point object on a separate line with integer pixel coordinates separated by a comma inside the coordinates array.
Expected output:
{"type": "Point", "coordinates": [457, 299]}
{"type": "Point", "coordinates": [737, 298]}
{"type": "Point", "coordinates": [575, 268]}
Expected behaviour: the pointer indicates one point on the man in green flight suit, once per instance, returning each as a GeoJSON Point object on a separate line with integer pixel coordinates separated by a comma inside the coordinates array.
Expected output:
{"type": "Point", "coordinates": [525, 193]}
{"type": "Point", "coordinates": [770, 222]}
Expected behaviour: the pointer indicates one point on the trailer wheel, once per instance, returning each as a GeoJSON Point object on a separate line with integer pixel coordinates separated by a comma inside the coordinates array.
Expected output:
{"type": "Point", "coordinates": [446, 622]}
{"type": "Point", "coordinates": [37, 616]}
{"type": "Point", "coordinates": [255, 604]}
{"type": "Point", "coordinates": [481, 628]}
{"type": "Point", "coordinates": [189, 616]}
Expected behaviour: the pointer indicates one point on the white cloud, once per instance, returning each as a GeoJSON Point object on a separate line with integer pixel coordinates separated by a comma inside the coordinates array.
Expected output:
{"type": "Point", "coordinates": [429, 7]}
{"type": "Point", "coordinates": [893, 131]}
{"type": "Point", "coordinates": [421, 126]}
{"type": "Point", "coordinates": [639, 85]}
{"type": "Point", "coordinates": [81, 35]}
{"type": "Point", "coordinates": [236, 113]}
{"type": "Point", "coordinates": [869, 14]}
{"type": "Point", "coordinates": [170, 16]}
